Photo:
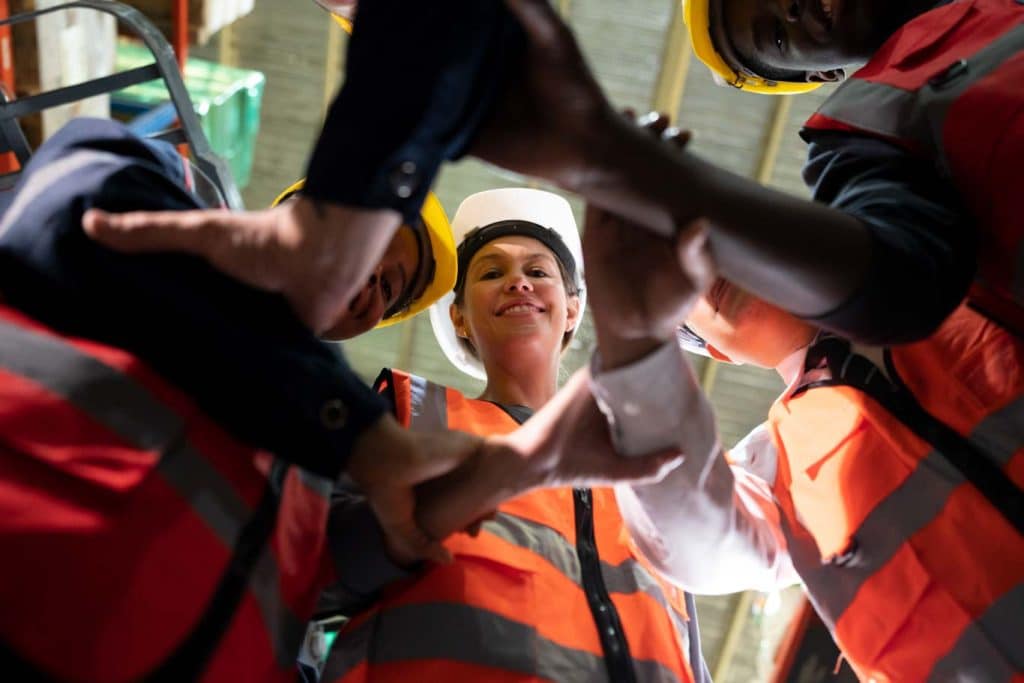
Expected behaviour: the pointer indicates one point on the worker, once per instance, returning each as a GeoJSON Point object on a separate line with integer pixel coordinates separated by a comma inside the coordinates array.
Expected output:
{"type": "Point", "coordinates": [417, 269]}
{"type": "Point", "coordinates": [551, 587]}
{"type": "Point", "coordinates": [887, 479]}
{"type": "Point", "coordinates": [169, 439]}
{"type": "Point", "coordinates": [904, 242]}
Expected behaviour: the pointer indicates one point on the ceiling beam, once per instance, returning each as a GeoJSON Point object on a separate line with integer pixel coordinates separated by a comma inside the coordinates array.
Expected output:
{"type": "Point", "coordinates": [675, 65]}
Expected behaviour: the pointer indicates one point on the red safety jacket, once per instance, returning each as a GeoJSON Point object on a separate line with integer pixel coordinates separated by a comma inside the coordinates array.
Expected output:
{"type": "Point", "coordinates": [914, 571]}
{"type": "Point", "coordinates": [552, 589]}
{"type": "Point", "coordinates": [139, 540]}
{"type": "Point", "coordinates": [948, 87]}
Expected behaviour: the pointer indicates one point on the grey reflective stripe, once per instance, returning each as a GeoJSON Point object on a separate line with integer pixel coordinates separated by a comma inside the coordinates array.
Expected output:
{"type": "Point", "coordinates": [1001, 434]}
{"type": "Point", "coordinates": [129, 410]}
{"type": "Point", "coordinates": [626, 578]}
{"type": "Point", "coordinates": [918, 116]}
{"type": "Point", "coordinates": [470, 635]}
{"type": "Point", "coordinates": [428, 406]}
{"type": "Point", "coordinates": [991, 648]}
{"type": "Point", "coordinates": [52, 173]}
{"type": "Point", "coordinates": [905, 511]}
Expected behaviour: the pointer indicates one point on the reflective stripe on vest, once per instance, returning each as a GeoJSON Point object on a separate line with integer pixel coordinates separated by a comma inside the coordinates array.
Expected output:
{"type": "Point", "coordinates": [463, 633]}
{"type": "Point", "coordinates": [893, 597]}
{"type": "Point", "coordinates": [974, 658]}
{"type": "Point", "coordinates": [946, 87]}
{"type": "Point", "coordinates": [133, 413]}
{"type": "Point", "coordinates": [917, 116]}
{"type": "Point", "coordinates": [444, 623]}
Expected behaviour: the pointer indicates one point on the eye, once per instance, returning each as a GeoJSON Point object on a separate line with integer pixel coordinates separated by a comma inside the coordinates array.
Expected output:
{"type": "Point", "coordinates": [538, 272]}
{"type": "Point", "coordinates": [780, 37]}
{"type": "Point", "coordinates": [490, 274]}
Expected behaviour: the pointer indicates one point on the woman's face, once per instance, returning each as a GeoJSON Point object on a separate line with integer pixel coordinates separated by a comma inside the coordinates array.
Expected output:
{"type": "Point", "coordinates": [514, 295]}
{"type": "Point", "coordinates": [746, 328]}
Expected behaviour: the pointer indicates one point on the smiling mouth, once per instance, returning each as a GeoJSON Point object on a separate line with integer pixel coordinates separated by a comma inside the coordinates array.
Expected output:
{"type": "Point", "coordinates": [519, 309]}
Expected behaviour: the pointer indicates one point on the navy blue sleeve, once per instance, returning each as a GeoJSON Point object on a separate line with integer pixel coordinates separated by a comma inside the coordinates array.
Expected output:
{"type": "Point", "coordinates": [240, 353]}
{"type": "Point", "coordinates": [420, 79]}
{"type": "Point", "coordinates": [924, 242]}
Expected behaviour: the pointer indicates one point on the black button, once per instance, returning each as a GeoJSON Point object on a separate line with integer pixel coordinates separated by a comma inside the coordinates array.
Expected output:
{"type": "Point", "coordinates": [846, 557]}
{"type": "Point", "coordinates": [334, 415]}
{"type": "Point", "coordinates": [949, 74]}
{"type": "Point", "coordinates": [405, 179]}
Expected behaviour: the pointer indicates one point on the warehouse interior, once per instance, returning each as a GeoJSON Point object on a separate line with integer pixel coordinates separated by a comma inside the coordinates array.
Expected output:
{"type": "Point", "coordinates": [262, 74]}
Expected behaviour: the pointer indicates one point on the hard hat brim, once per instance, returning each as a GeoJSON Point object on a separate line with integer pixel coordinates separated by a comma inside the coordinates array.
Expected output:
{"type": "Point", "coordinates": [697, 17]}
{"type": "Point", "coordinates": [442, 247]}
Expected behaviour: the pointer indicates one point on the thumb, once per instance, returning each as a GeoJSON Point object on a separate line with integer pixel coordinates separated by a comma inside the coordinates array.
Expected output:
{"type": "Point", "coordinates": [694, 253]}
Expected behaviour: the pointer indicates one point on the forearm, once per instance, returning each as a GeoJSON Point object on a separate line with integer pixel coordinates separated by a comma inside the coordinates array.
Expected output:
{"type": "Point", "coordinates": [708, 530]}
{"type": "Point", "coordinates": [763, 240]}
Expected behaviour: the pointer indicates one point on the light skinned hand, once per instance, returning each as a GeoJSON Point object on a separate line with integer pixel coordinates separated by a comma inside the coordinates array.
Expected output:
{"type": "Point", "coordinates": [317, 254]}
{"type": "Point", "coordinates": [565, 444]}
{"type": "Point", "coordinates": [388, 462]}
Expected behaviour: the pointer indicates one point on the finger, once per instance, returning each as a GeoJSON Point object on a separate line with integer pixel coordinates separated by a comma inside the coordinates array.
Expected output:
{"type": "Point", "coordinates": [199, 232]}
{"type": "Point", "coordinates": [694, 253]}
{"type": "Point", "coordinates": [676, 137]}
{"type": "Point", "coordinates": [654, 121]}
{"type": "Point", "coordinates": [538, 18]}
{"type": "Point", "coordinates": [394, 510]}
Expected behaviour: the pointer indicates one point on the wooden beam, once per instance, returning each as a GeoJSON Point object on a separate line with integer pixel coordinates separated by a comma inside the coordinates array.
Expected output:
{"type": "Point", "coordinates": [332, 64]}
{"type": "Point", "coordinates": [675, 65]}
{"type": "Point", "coordinates": [770, 150]}
{"type": "Point", "coordinates": [227, 46]}
{"type": "Point", "coordinates": [732, 636]}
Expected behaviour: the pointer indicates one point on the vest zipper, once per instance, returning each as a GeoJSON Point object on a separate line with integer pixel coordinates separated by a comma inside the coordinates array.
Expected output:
{"type": "Point", "coordinates": [617, 658]}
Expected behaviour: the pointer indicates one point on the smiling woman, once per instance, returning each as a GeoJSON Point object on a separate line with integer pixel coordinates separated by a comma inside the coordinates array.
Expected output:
{"type": "Point", "coordinates": [550, 589]}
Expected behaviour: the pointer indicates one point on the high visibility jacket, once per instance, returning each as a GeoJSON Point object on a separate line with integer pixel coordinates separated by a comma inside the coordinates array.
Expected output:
{"type": "Point", "coordinates": [552, 589]}
{"type": "Point", "coordinates": [139, 540]}
{"type": "Point", "coordinates": [947, 87]}
{"type": "Point", "coordinates": [914, 571]}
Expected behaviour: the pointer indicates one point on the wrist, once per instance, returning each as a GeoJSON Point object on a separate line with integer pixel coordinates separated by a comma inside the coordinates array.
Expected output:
{"type": "Point", "coordinates": [375, 453]}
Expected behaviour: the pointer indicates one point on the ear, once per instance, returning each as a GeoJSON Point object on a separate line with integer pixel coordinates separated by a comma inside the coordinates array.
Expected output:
{"type": "Point", "coordinates": [458, 321]}
{"type": "Point", "coordinates": [827, 76]}
{"type": "Point", "coordinates": [572, 312]}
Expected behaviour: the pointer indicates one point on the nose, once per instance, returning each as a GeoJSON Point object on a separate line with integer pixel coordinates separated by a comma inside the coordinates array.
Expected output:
{"type": "Point", "coordinates": [793, 11]}
{"type": "Point", "coordinates": [518, 283]}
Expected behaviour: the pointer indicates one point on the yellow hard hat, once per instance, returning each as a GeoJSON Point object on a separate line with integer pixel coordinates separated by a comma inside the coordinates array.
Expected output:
{"type": "Point", "coordinates": [345, 24]}
{"type": "Point", "coordinates": [697, 16]}
{"type": "Point", "coordinates": [442, 246]}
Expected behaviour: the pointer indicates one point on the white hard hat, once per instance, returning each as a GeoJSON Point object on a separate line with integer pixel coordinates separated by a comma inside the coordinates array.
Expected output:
{"type": "Point", "coordinates": [542, 215]}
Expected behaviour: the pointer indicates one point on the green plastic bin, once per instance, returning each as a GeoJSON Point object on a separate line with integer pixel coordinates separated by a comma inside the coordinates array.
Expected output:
{"type": "Point", "coordinates": [227, 100]}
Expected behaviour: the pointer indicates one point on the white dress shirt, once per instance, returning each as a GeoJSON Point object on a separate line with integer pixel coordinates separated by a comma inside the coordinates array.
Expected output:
{"type": "Point", "coordinates": [711, 525]}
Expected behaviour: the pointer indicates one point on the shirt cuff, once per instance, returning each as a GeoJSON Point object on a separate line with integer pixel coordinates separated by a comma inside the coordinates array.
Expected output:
{"type": "Point", "coordinates": [654, 404]}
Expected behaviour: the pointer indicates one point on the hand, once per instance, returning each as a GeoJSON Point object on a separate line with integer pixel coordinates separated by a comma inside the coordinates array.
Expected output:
{"type": "Point", "coordinates": [317, 254]}
{"type": "Point", "coordinates": [551, 116]}
{"type": "Point", "coordinates": [566, 443]}
{"type": "Point", "coordinates": [387, 464]}
{"type": "Point", "coordinates": [641, 286]}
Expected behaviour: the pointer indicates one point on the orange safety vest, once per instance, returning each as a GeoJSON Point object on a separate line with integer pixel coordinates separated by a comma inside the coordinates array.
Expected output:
{"type": "Point", "coordinates": [552, 589]}
{"type": "Point", "coordinates": [914, 571]}
{"type": "Point", "coordinates": [139, 540]}
{"type": "Point", "coordinates": [947, 87]}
